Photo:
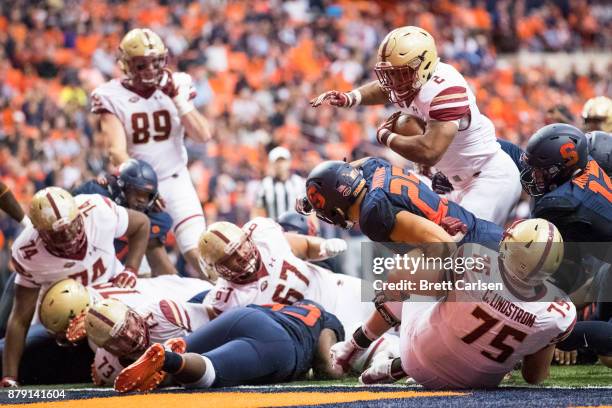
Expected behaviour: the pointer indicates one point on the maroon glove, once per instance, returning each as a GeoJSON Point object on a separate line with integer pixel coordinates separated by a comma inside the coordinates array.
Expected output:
{"type": "Point", "coordinates": [8, 382]}
{"type": "Point", "coordinates": [335, 98]}
{"type": "Point", "coordinates": [167, 85]}
{"type": "Point", "coordinates": [126, 279]}
{"type": "Point", "coordinates": [386, 129]}
{"type": "Point", "coordinates": [453, 225]}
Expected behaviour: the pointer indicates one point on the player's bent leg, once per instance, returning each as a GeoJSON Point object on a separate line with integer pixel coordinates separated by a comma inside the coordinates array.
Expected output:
{"type": "Point", "coordinates": [493, 194]}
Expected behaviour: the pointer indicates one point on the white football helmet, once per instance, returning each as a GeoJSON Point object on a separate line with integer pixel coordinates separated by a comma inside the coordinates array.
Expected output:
{"type": "Point", "coordinates": [531, 251]}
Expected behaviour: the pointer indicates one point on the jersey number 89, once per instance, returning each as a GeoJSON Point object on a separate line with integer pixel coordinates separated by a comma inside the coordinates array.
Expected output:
{"type": "Point", "coordinates": [141, 132]}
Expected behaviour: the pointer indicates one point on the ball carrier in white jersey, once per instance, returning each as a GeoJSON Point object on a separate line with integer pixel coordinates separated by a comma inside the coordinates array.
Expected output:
{"type": "Point", "coordinates": [69, 237]}
{"type": "Point", "coordinates": [145, 116]}
{"type": "Point", "coordinates": [472, 338]}
{"type": "Point", "coordinates": [458, 140]}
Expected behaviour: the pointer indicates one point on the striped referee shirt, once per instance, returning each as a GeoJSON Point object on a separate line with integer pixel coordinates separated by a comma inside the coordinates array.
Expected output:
{"type": "Point", "coordinates": [277, 196]}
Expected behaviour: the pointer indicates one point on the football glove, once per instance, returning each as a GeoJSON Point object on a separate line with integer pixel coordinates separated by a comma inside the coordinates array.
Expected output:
{"type": "Point", "coordinates": [76, 328]}
{"type": "Point", "coordinates": [453, 226]}
{"type": "Point", "coordinates": [178, 90]}
{"type": "Point", "coordinates": [303, 206]}
{"type": "Point", "coordinates": [8, 382]}
{"type": "Point", "coordinates": [337, 98]}
{"type": "Point", "coordinates": [383, 371]}
{"type": "Point", "coordinates": [332, 247]}
{"type": "Point", "coordinates": [386, 129]}
{"type": "Point", "coordinates": [441, 184]}
{"type": "Point", "coordinates": [345, 354]}
{"type": "Point", "coordinates": [125, 279]}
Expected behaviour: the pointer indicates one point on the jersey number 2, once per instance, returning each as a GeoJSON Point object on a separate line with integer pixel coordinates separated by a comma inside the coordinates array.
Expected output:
{"type": "Point", "coordinates": [141, 132]}
{"type": "Point", "coordinates": [498, 342]}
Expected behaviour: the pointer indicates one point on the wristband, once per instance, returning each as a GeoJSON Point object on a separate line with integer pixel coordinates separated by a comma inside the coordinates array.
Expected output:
{"type": "Point", "coordinates": [183, 106]}
{"type": "Point", "coordinates": [356, 97]}
{"type": "Point", "coordinates": [361, 339]}
{"type": "Point", "coordinates": [130, 270]}
{"type": "Point", "coordinates": [390, 138]}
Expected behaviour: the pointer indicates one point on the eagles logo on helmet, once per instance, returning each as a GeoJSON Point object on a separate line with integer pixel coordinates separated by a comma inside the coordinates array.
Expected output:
{"type": "Point", "coordinates": [56, 217]}
{"type": "Point", "coordinates": [230, 251]}
{"type": "Point", "coordinates": [142, 58]}
{"type": "Point", "coordinates": [407, 58]}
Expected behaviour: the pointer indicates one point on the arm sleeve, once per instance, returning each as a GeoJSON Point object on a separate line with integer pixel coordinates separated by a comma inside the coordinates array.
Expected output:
{"type": "Point", "coordinates": [119, 216]}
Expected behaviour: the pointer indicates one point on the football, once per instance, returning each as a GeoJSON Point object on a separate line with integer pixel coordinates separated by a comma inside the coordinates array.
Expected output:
{"type": "Point", "coordinates": [408, 125]}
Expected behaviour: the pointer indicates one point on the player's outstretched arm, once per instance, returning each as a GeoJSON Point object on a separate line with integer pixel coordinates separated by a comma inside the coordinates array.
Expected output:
{"type": "Point", "coordinates": [536, 367]}
{"type": "Point", "coordinates": [323, 365]}
{"type": "Point", "coordinates": [426, 149]}
{"type": "Point", "coordinates": [114, 137]}
{"type": "Point", "coordinates": [159, 260]}
{"type": "Point", "coordinates": [9, 204]}
{"type": "Point", "coordinates": [314, 248]}
{"type": "Point", "coordinates": [368, 94]}
{"type": "Point", "coordinates": [17, 329]}
{"type": "Point", "coordinates": [138, 238]}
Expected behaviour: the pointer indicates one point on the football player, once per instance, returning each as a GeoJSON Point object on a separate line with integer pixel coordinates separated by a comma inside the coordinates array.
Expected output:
{"type": "Point", "coordinates": [145, 116]}
{"type": "Point", "coordinates": [600, 149]}
{"type": "Point", "coordinates": [260, 264]}
{"type": "Point", "coordinates": [597, 114]}
{"type": "Point", "coordinates": [472, 338]}
{"type": "Point", "coordinates": [249, 345]}
{"type": "Point", "coordinates": [458, 140]}
{"type": "Point", "coordinates": [136, 187]}
{"type": "Point", "coordinates": [66, 312]}
{"type": "Point", "coordinates": [390, 204]}
{"type": "Point", "coordinates": [69, 237]}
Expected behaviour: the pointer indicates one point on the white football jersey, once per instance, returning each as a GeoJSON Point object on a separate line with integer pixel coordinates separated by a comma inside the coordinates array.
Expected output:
{"type": "Point", "coordinates": [104, 221]}
{"type": "Point", "coordinates": [166, 319]}
{"type": "Point", "coordinates": [475, 337]}
{"type": "Point", "coordinates": [152, 125]}
{"type": "Point", "coordinates": [285, 278]}
{"type": "Point", "coordinates": [448, 97]}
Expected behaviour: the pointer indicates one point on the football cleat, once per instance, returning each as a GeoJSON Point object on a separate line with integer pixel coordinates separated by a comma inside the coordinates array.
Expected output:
{"type": "Point", "coordinates": [145, 374]}
{"type": "Point", "coordinates": [176, 345]}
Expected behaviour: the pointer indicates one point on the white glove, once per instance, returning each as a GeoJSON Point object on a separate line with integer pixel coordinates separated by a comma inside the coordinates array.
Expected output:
{"type": "Point", "coordinates": [332, 247]}
{"type": "Point", "coordinates": [380, 372]}
{"type": "Point", "coordinates": [345, 353]}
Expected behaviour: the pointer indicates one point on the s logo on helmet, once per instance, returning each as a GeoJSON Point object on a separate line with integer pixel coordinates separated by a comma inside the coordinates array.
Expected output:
{"type": "Point", "coordinates": [569, 154]}
{"type": "Point", "coordinates": [314, 196]}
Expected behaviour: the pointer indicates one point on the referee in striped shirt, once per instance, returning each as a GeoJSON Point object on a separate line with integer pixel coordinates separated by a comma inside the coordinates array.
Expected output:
{"type": "Point", "coordinates": [278, 192]}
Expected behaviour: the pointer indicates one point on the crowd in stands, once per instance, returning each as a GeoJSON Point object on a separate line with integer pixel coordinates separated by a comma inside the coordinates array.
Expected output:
{"type": "Point", "coordinates": [255, 65]}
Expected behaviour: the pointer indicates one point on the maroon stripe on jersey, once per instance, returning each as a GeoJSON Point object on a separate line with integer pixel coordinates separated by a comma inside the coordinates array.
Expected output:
{"type": "Point", "coordinates": [448, 114]}
{"type": "Point", "coordinates": [187, 219]}
{"type": "Point", "coordinates": [549, 242]}
{"type": "Point", "coordinates": [100, 316]}
{"type": "Point", "coordinates": [169, 314]}
{"type": "Point", "coordinates": [54, 206]}
{"type": "Point", "coordinates": [220, 235]}
{"type": "Point", "coordinates": [442, 102]}
{"type": "Point", "coordinates": [451, 90]}
{"type": "Point", "coordinates": [180, 316]}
